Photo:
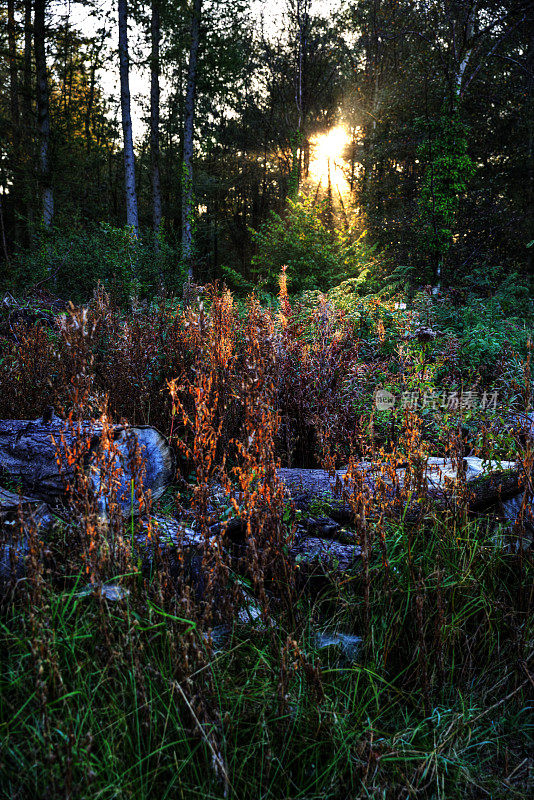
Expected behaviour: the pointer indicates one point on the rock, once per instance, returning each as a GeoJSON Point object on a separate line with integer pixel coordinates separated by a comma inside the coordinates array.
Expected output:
{"type": "Point", "coordinates": [14, 543]}
{"type": "Point", "coordinates": [324, 557]}
{"type": "Point", "coordinates": [169, 534]}
{"type": "Point", "coordinates": [423, 334]}
{"type": "Point", "coordinates": [324, 527]}
{"type": "Point", "coordinates": [181, 547]}
{"type": "Point", "coordinates": [511, 509]}
{"type": "Point", "coordinates": [12, 560]}
{"type": "Point", "coordinates": [10, 502]}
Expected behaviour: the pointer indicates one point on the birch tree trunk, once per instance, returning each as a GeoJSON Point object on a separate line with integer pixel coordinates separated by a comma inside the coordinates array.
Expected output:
{"type": "Point", "coordinates": [129, 163]}
{"type": "Point", "coordinates": [464, 57]}
{"type": "Point", "coordinates": [187, 176]}
{"type": "Point", "coordinates": [154, 117]}
{"type": "Point", "coordinates": [43, 113]}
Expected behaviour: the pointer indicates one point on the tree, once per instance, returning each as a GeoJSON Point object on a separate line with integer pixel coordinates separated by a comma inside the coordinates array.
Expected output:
{"type": "Point", "coordinates": [300, 11]}
{"type": "Point", "coordinates": [154, 116]}
{"type": "Point", "coordinates": [448, 170]}
{"type": "Point", "coordinates": [301, 81]}
{"type": "Point", "coordinates": [14, 107]}
{"type": "Point", "coordinates": [43, 113]}
{"type": "Point", "coordinates": [13, 70]}
{"type": "Point", "coordinates": [431, 81]}
{"type": "Point", "coordinates": [132, 218]}
{"type": "Point", "coordinates": [188, 142]}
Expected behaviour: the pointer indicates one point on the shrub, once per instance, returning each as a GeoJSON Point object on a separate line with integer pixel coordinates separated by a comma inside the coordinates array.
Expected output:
{"type": "Point", "coordinates": [488, 327]}
{"type": "Point", "coordinates": [316, 257]}
{"type": "Point", "coordinates": [71, 263]}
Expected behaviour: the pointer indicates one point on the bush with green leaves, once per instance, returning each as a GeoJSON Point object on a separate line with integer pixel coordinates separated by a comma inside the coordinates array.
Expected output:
{"type": "Point", "coordinates": [315, 255]}
{"type": "Point", "coordinates": [487, 327]}
{"type": "Point", "coordinates": [71, 263]}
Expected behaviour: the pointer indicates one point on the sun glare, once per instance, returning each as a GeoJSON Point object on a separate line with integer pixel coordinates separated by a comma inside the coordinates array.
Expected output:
{"type": "Point", "coordinates": [327, 157]}
{"type": "Point", "coordinates": [330, 146]}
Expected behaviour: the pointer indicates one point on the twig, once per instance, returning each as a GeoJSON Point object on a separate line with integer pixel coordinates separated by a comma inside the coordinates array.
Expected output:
{"type": "Point", "coordinates": [487, 711]}
{"type": "Point", "coordinates": [524, 667]}
{"type": "Point", "coordinates": [216, 756]}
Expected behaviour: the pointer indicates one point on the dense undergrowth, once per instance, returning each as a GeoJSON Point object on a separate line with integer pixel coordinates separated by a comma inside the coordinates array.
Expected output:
{"type": "Point", "coordinates": [176, 690]}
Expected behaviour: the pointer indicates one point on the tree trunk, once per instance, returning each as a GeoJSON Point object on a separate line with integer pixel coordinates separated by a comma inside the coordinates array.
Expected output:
{"type": "Point", "coordinates": [96, 49]}
{"type": "Point", "coordinates": [132, 218]}
{"type": "Point", "coordinates": [13, 71]}
{"type": "Point", "coordinates": [187, 176]}
{"type": "Point", "coordinates": [27, 70]}
{"type": "Point", "coordinates": [3, 230]}
{"type": "Point", "coordinates": [484, 483]}
{"type": "Point", "coordinates": [301, 12]}
{"type": "Point", "coordinates": [27, 124]}
{"type": "Point", "coordinates": [530, 154]}
{"type": "Point", "coordinates": [43, 113]}
{"type": "Point", "coordinates": [154, 118]}
{"type": "Point", "coordinates": [14, 112]}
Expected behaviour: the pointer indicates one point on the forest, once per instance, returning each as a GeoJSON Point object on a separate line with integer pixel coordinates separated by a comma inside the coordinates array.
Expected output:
{"type": "Point", "coordinates": [266, 406]}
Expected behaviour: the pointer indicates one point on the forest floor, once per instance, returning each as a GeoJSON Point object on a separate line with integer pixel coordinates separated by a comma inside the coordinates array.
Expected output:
{"type": "Point", "coordinates": [238, 673]}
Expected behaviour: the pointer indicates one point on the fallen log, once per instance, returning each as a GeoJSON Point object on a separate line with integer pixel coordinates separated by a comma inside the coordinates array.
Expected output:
{"type": "Point", "coordinates": [9, 501]}
{"type": "Point", "coordinates": [44, 456]}
{"type": "Point", "coordinates": [15, 534]}
{"type": "Point", "coordinates": [481, 482]}
{"type": "Point", "coordinates": [29, 452]}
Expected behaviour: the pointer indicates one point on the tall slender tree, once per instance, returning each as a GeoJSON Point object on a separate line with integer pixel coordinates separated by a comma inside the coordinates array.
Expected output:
{"type": "Point", "coordinates": [529, 92]}
{"type": "Point", "coordinates": [300, 10]}
{"type": "Point", "coordinates": [14, 105]}
{"type": "Point", "coordinates": [13, 69]}
{"type": "Point", "coordinates": [27, 68]}
{"type": "Point", "coordinates": [154, 116]}
{"type": "Point", "coordinates": [97, 46]}
{"type": "Point", "coordinates": [43, 113]}
{"type": "Point", "coordinates": [188, 142]}
{"type": "Point", "coordinates": [132, 218]}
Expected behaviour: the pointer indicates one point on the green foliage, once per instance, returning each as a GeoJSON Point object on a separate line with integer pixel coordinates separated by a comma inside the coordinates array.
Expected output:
{"type": "Point", "coordinates": [236, 282]}
{"type": "Point", "coordinates": [448, 168]}
{"type": "Point", "coordinates": [400, 280]}
{"type": "Point", "coordinates": [95, 693]}
{"type": "Point", "coordinates": [315, 256]}
{"type": "Point", "coordinates": [488, 328]}
{"type": "Point", "coordinates": [71, 263]}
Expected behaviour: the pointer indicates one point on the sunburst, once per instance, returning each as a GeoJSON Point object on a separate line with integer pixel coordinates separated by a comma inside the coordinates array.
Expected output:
{"type": "Point", "coordinates": [327, 156]}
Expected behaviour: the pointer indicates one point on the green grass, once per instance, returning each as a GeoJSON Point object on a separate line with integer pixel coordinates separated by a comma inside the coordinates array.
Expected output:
{"type": "Point", "coordinates": [115, 700]}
